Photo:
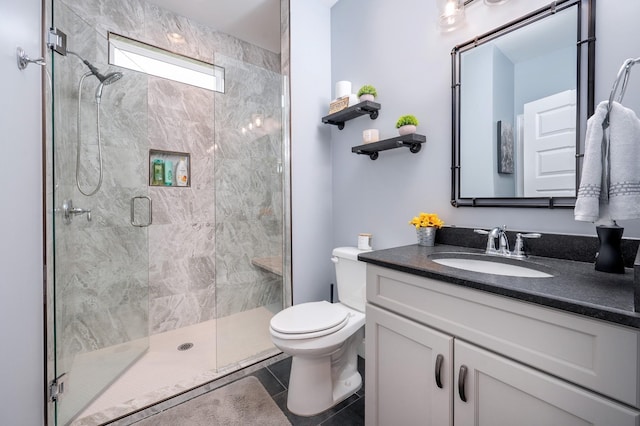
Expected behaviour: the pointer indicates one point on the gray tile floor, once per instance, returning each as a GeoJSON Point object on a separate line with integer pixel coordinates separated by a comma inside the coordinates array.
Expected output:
{"type": "Point", "coordinates": [274, 376]}
{"type": "Point", "coordinates": [350, 412]}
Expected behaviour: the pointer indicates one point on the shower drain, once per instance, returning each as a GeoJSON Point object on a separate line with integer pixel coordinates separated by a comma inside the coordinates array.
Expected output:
{"type": "Point", "coordinates": [185, 346]}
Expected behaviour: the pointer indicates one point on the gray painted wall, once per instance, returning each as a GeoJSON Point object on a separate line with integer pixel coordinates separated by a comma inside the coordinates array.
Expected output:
{"type": "Point", "coordinates": [529, 86]}
{"type": "Point", "coordinates": [505, 184]}
{"type": "Point", "coordinates": [477, 161]}
{"type": "Point", "coordinates": [408, 60]}
{"type": "Point", "coordinates": [21, 333]}
{"type": "Point", "coordinates": [311, 184]}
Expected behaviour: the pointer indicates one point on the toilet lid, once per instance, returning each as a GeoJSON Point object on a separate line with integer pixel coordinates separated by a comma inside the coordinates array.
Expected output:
{"type": "Point", "coordinates": [312, 317]}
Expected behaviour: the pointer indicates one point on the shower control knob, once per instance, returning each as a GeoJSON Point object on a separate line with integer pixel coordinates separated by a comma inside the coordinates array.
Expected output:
{"type": "Point", "coordinates": [69, 211]}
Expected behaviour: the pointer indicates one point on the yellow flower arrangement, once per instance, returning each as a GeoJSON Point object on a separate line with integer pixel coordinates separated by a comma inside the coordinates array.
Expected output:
{"type": "Point", "coordinates": [427, 220]}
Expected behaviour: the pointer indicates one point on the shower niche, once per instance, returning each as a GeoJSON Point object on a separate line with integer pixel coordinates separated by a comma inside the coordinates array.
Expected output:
{"type": "Point", "coordinates": [169, 168]}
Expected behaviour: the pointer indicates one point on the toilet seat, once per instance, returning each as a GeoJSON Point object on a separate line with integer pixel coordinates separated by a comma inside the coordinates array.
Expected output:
{"type": "Point", "coordinates": [309, 320]}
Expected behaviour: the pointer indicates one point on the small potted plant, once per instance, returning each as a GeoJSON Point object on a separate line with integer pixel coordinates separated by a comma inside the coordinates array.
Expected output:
{"type": "Point", "coordinates": [426, 225]}
{"type": "Point", "coordinates": [406, 124]}
{"type": "Point", "coordinates": [367, 93]}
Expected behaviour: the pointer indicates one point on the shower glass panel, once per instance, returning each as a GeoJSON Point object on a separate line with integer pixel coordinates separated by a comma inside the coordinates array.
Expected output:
{"type": "Point", "coordinates": [249, 243]}
{"type": "Point", "coordinates": [146, 312]}
{"type": "Point", "coordinates": [100, 279]}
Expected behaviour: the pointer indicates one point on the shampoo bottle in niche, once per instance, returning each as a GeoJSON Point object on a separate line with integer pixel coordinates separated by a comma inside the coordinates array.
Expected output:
{"type": "Point", "coordinates": [168, 173]}
{"type": "Point", "coordinates": [158, 172]}
{"type": "Point", "coordinates": [182, 173]}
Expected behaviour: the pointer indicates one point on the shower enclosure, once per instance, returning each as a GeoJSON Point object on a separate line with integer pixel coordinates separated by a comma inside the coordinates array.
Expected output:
{"type": "Point", "coordinates": [133, 265]}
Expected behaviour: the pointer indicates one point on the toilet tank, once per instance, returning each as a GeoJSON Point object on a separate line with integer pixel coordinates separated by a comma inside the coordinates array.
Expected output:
{"type": "Point", "coordinates": [351, 276]}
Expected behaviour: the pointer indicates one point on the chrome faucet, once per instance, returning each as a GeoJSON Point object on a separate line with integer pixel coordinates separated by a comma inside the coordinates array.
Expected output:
{"type": "Point", "coordinates": [500, 233]}
{"type": "Point", "coordinates": [503, 243]}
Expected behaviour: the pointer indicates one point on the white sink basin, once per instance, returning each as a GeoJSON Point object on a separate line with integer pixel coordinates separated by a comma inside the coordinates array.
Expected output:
{"type": "Point", "coordinates": [488, 265]}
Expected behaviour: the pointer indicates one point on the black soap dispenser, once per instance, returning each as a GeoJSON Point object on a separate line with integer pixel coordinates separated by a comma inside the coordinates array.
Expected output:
{"type": "Point", "coordinates": [609, 255]}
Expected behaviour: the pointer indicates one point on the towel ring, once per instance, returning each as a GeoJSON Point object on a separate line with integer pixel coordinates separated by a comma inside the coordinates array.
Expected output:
{"type": "Point", "coordinates": [626, 69]}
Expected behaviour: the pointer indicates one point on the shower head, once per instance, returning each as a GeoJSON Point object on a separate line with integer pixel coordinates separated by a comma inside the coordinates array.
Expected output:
{"type": "Point", "coordinates": [112, 77]}
{"type": "Point", "coordinates": [105, 80]}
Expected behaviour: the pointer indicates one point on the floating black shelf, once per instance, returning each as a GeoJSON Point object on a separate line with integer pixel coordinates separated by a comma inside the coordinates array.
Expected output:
{"type": "Point", "coordinates": [413, 141]}
{"type": "Point", "coordinates": [363, 108]}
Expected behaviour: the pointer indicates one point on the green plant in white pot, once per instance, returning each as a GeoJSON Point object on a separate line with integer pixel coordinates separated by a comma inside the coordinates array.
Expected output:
{"type": "Point", "coordinates": [367, 93]}
{"type": "Point", "coordinates": [406, 124]}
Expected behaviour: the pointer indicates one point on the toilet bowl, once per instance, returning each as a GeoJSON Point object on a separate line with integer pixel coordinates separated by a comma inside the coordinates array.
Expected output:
{"type": "Point", "coordinates": [323, 339]}
{"type": "Point", "coordinates": [324, 368]}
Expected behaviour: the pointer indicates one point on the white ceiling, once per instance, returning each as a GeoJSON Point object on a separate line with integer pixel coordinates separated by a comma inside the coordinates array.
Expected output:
{"type": "Point", "coordinates": [254, 21]}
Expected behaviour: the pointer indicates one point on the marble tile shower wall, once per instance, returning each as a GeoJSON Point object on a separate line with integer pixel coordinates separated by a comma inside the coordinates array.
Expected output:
{"type": "Point", "coordinates": [182, 237]}
{"type": "Point", "coordinates": [248, 175]}
{"type": "Point", "coordinates": [193, 238]}
{"type": "Point", "coordinates": [101, 266]}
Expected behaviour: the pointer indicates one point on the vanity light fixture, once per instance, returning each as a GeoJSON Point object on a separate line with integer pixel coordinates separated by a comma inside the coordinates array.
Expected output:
{"type": "Point", "coordinates": [451, 14]}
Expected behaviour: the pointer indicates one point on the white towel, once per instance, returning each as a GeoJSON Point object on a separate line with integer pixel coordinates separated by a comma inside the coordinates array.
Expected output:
{"type": "Point", "coordinates": [610, 187]}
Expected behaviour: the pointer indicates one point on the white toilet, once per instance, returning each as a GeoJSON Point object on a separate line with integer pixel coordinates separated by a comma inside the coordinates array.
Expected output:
{"type": "Point", "coordinates": [323, 340]}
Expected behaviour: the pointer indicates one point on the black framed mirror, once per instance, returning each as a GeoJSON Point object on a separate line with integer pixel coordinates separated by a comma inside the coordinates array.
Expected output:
{"type": "Point", "coordinates": [521, 96]}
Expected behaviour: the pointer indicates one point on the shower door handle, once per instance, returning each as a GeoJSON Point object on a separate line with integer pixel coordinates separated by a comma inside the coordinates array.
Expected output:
{"type": "Point", "coordinates": [133, 211]}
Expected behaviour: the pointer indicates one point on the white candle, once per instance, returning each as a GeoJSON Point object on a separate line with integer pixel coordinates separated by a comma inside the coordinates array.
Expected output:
{"type": "Point", "coordinates": [370, 135]}
{"type": "Point", "coordinates": [343, 88]}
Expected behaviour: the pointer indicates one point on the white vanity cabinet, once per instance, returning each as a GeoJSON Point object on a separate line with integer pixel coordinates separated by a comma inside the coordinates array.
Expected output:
{"type": "Point", "coordinates": [411, 384]}
{"type": "Point", "coordinates": [525, 364]}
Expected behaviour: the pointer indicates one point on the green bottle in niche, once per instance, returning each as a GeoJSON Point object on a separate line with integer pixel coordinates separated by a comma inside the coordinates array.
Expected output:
{"type": "Point", "coordinates": [168, 173]}
{"type": "Point", "coordinates": [158, 172]}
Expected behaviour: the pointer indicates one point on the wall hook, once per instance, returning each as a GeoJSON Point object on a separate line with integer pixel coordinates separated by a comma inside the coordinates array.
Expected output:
{"type": "Point", "coordinates": [24, 60]}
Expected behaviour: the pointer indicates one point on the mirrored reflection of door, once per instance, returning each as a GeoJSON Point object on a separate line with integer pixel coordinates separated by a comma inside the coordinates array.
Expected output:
{"type": "Point", "coordinates": [101, 285]}
{"type": "Point", "coordinates": [550, 146]}
{"type": "Point", "coordinates": [249, 211]}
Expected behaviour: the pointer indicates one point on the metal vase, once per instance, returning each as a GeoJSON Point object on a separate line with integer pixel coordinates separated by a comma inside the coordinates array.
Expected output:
{"type": "Point", "coordinates": [426, 236]}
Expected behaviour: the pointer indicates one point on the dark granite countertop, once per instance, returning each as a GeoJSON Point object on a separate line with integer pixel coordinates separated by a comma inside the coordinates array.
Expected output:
{"type": "Point", "coordinates": [575, 286]}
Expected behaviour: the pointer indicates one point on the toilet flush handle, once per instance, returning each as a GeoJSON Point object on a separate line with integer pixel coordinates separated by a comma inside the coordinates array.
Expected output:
{"type": "Point", "coordinates": [334, 259]}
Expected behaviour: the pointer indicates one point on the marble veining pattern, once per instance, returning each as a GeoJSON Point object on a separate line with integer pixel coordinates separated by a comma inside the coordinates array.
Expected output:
{"type": "Point", "coordinates": [194, 263]}
{"type": "Point", "coordinates": [141, 112]}
{"type": "Point", "coordinates": [248, 187]}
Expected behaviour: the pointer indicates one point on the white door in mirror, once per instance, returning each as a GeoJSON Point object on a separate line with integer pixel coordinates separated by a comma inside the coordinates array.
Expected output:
{"type": "Point", "coordinates": [550, 146]}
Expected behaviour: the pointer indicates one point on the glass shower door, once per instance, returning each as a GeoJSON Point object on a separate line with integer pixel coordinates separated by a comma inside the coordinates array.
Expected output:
{"type": "Point", "coordinates": [249, 177]}
{"type": "Point", "coordinates": [100, 238]}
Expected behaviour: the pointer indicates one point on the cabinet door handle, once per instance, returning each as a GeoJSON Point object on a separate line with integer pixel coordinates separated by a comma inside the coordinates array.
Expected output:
{"type": "Point", "coordinates": [462, 378]}
{"type": "Point", "coordinates": [439, 360]}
